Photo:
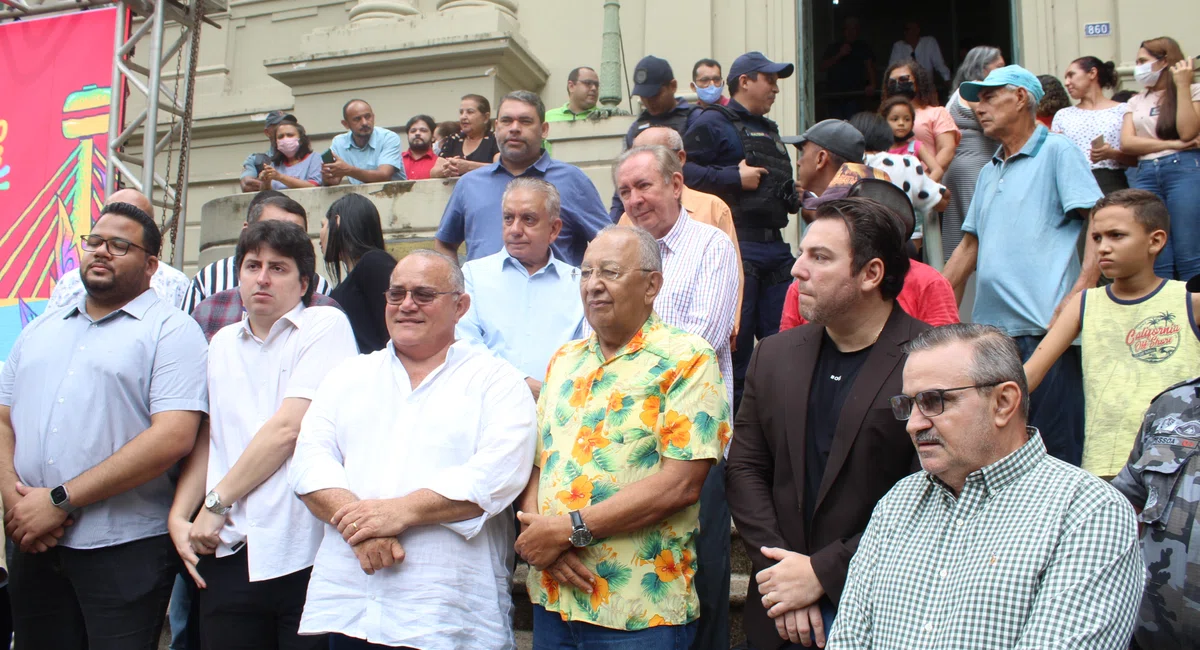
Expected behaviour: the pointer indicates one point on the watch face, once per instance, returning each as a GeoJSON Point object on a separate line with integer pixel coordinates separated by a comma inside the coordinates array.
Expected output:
{"type": "Point", "coordinates": [211, 500]}
{"type": "Point", "coordinates": [580, 538]}
{"type": "Point", "coordinates": [58, 495]}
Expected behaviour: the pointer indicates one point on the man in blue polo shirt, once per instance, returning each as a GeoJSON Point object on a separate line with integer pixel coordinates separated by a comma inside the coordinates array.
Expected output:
{"type": "Point", "coordinates": [1021, 238]}
{"type": "Point", "coordinates": [364, 154]}
{"type": "Point", "coordinates": [473, 212]}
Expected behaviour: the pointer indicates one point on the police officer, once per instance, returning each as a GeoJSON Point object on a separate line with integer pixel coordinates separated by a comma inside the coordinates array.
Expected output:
{"type": "Point", "coordinates": [654, 84]}
{"type": "Point", "coordinates": [735, 153]}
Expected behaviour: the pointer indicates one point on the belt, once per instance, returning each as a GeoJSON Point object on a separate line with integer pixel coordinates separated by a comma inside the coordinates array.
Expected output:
{"type": "Point", "coordinates": [758, 235]}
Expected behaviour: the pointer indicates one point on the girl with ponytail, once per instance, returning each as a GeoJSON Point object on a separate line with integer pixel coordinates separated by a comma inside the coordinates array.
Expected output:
{"type": "Point", "coordinates": [1094, 125]}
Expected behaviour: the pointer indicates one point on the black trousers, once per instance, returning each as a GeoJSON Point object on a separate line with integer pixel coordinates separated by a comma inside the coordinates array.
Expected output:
{"type": "Point", "coordinates": [236, 614]}
{"type": "Point", "coordinates": [112, 598]}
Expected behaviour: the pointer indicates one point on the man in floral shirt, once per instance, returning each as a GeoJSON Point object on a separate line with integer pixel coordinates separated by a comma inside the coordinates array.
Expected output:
{"type": "Point", "coordinates": [630, 420]}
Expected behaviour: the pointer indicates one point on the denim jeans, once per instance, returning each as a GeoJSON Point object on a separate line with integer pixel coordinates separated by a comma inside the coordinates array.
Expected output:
{"type": "Point", "coordinates": [1056, 407]}
{"type": "Point", "coordinates": [550, 632]}
{"type": "Point", "coordinates": [766, 267]}
{"type": "Point", "coordinates": [1176, 180]}
{"type": "Point", "coordinates": [712, 573]}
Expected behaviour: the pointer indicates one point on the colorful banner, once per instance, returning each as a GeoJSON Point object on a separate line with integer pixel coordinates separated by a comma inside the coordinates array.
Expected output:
{"type": "Point", "coordinates": [54, 104]}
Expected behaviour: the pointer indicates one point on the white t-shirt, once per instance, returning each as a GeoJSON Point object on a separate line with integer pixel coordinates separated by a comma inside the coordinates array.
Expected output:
{"type": "Point", "coordinates": [1082, 126]}
{"type": "Point", "coordinates": [1144, 107]}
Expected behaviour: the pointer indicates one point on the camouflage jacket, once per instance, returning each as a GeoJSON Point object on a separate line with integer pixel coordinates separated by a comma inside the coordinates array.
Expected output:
{"type": "Point", "coordinates": [1162, 479]}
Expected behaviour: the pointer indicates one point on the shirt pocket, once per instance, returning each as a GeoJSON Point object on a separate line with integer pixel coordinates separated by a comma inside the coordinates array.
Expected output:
{"type": "Point", "coordinates": [1160, 468]}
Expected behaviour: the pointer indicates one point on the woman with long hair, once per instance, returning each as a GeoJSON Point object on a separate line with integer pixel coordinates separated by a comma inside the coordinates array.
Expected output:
{"type": "Point", "coordinates": [933, 125]}
{"type": "Point", "coordinates": [352, 239]}
{"type": "Point", "coordinates": [1162, 128]}
{"type": "Point", "coordinates": [974, 150]}
{"type": "Point", "coordinates": [472, 147]}
{"type": "Point", "coordinates": [294, 165]}
{"type": "Point", "coordinates": [1094, 125]}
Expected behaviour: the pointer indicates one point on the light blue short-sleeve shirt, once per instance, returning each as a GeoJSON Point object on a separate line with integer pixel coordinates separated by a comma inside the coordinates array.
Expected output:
{"type": "Point", "coordinates": [79, 390]}
{"type": "Point", "coordinates": [382, 148]}
{"type": "Point", "coordinates": [1029, 238]}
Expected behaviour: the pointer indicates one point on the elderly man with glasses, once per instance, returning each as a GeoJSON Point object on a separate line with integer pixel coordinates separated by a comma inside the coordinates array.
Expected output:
{"type": "Point", "coordinates": [411, 456]}
{"type": "Point", "coordinates": [995, 544]}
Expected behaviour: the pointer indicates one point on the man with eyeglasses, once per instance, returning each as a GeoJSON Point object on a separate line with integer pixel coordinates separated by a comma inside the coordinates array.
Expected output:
{"type": "Point", "coordinates": [411, 456]}
{"type": "Point", "coordinates": [98, 401]}
{"type": "Point", "coordinates": [583, 88]}
{"type": "Point", "coordinates": [708, 83]}
{"type": "Point", "coordinates": [632, 420]}
{"type": "Point", "coordinates": [994, 544]}
{"type": "Point", "coordinates": [815, 446]}
{"type": "Point", "coordinates": [524, 303]}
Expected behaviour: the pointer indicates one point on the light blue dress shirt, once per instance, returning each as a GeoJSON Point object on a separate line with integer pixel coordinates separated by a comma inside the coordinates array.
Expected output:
{"type": "Point", "coordinates": [383, 148]}
{"type": "Point", "coordinates": [80, 390]}
{"type": "Point", "coordinates": [521, 318]}
{"type": "Point", "coordinates": [1023, 213]}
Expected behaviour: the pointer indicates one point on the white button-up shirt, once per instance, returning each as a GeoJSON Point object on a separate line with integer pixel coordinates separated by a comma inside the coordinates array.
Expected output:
{"type": "Point", "coordinates": [248, 379]}
{"type": "Point", "coordinates": [467, 433]}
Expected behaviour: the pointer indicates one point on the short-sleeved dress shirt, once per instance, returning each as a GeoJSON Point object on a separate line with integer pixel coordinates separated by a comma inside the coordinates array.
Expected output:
{"type": "Point", "coordinates": [382, 148]}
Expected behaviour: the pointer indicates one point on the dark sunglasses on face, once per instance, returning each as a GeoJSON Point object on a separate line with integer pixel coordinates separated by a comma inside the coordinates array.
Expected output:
{"type": "Point", "coordinates": [420, 295]}
{"type": "Point", "coordinates": [931, 402]}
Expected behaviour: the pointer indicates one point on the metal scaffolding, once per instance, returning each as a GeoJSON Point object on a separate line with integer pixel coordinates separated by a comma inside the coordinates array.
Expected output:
{"type": "Point", "coordinates": [146, 22]}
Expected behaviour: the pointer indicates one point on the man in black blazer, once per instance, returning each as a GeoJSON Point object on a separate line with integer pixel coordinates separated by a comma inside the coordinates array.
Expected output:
{"type": "Point", "coordinates": [815, 444]}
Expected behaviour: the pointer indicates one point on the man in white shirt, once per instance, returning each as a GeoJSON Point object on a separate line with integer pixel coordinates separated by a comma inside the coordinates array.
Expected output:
{"type": "Point", "coordinates": [168, 282]}
{"type": "Point", "coordinates": [414, 454]}
{"type": "Point", "coordinates": [251, 547]}
{"type": "Point", "coordinates": [924, 49]}
{"type": "Point", "coordinates": [701, 282]}
{"type": "Point", "coordinates": [524, 303]}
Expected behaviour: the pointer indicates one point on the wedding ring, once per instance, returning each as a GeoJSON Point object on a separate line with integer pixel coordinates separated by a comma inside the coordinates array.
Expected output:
{"type": "Point", "coordinates": [355, 524]}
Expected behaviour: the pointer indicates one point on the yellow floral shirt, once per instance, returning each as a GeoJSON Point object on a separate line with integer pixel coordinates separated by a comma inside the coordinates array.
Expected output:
{"type": "Point", "coordinates": [603, 425]}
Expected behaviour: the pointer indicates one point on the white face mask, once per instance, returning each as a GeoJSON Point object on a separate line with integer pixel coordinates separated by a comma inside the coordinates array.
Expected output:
{"type": "Point", "coordinates": [1145, 74]}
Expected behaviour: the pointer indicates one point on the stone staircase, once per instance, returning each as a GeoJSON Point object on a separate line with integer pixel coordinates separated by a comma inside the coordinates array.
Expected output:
{"type": "Point", "coordinates": [740, 578]}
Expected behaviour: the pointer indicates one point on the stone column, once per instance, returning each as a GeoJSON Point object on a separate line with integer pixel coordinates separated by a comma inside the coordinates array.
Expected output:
{"type": "Point", "coordinates": [507, 6]}
{"type": "Point", "coordinates": [610, 57]}
{"type": "Point", "coordinates": [375, 10]}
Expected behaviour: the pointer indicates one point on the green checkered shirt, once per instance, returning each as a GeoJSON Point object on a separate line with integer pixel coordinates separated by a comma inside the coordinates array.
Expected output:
{"type": "Point", "coordinates": [1034, 553]}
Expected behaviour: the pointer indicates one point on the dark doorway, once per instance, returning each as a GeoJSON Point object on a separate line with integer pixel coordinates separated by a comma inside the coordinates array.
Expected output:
{"type": "Point", "coordinates": [958, 25]}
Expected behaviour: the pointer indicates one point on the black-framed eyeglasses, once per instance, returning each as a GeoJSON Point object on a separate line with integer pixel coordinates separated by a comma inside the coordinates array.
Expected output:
{"type": "Point", "coordinates": [116, 246]}
{"type": "Point", "coordinates": [609, 273]}
{"type": "Point", "coordinates": [420, 295]}
{"type": "Point", "coordinates": [590, 83]}
{"type": "Point", "coordinates": [705, 81]}
{"type": "Point", "coordinates": [931, 402]}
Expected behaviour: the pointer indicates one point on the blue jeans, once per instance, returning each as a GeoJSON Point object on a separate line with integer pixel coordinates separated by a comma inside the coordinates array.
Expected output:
{"type": "Point", "coordinates": [177, 613]}
{"type": "Point", "coordinates": [550, 632]}
{"type": "Point", "coordinates": [1176, 180]}
{"type": "Point", "coordinates": [1056, 407]}
{"type": "Point", "coordinates": [767, 267]}
{"type": "Point", "coordinates": [712, 573]}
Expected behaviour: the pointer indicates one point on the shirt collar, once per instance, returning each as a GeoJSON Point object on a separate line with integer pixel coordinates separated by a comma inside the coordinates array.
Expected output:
{"type": "Point", "coordinates": [646, 339]}
{"type": "Point", "coordinates": [407, 154]}
{"type": "Point", "coordinates": [371, 141]}
{"type": "Point", "coordinates": [136, 307]}
{"type": "Point", "coordinates": [998, 475]}
{"type": "Point", "coordinates": [295, 317]}
{"type": "Point", "coordinates": [1032, 146]}
{"type": "Point", "coordinates": [542, 165]}
{"type": "Point", "coordinates": [671, 239]}
{"type": "Point", "coordinates": [553, 266]}
{"type": "Point", "coordinates": [458, 352]}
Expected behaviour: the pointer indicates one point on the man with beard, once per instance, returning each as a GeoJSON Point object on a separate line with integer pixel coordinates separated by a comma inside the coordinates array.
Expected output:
{"type": "Point", "coordinates": [420, 158]}
{"type": "Point", "coordinates": [814, 436]}
{"type": "Point", "coordinates": [98, 401]}
{"type": "Point", "coordinates": [471, 214]}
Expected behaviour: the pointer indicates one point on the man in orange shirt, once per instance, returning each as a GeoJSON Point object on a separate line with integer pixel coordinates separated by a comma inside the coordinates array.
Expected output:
{"type": "Point", "coordinates": [705, 208]}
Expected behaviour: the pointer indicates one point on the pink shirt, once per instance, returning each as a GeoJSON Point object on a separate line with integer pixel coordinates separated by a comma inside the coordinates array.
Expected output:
{"type": "Point", "coordinates": [933, 121]}
{"type": "Point", "coordinates": [1144, 109]}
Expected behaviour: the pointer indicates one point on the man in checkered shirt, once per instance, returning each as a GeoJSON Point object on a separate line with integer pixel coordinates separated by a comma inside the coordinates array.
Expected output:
{"type": "Point", "coordinates": [995, 544]}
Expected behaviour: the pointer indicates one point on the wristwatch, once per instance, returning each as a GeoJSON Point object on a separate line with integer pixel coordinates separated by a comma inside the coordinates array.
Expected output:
{"type": "Point", "coordinates": [61, 498]}
{"type": "Point", "coordinates": [212, 503]}
{"type": "Point", "coordinates": [580, 535]}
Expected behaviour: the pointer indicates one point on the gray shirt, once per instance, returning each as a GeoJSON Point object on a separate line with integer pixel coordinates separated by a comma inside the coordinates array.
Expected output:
{"type": "Point", "coordinates": [80, 389]}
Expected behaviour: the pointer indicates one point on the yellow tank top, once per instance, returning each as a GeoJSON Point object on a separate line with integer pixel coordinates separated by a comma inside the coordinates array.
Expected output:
{"type": "Point", "coordinates": [1132, 351]}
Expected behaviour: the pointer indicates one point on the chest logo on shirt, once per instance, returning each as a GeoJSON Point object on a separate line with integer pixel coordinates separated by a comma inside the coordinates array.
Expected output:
{"type": "Point", "coordinates": [835, 377]}
{"type": "Point", "coordinates": [1155, 339]}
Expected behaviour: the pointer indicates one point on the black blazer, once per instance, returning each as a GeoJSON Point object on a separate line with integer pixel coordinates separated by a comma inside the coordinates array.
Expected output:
{"type": "Point", "coordinates": [765, 483]}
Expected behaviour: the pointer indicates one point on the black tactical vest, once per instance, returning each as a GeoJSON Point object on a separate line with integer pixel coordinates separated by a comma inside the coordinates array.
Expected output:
{"type": "Point", "coordinates": [676, 119]}
{"type": "Point", "coordinates": [769, 205]}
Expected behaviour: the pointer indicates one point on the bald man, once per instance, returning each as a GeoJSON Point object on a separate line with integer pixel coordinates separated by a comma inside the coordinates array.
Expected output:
{"type": "Point", "coordinates": [168, 282]}
{"type": "Point", "coordinates": [702, 207]}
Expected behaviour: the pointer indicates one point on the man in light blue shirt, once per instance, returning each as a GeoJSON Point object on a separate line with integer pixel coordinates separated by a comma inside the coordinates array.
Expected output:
{"type": "Point", "coordinates": [364, 154]}
{"type": "Point", "coordinates": [1021, 237]}
{"type": "Point", "coordinates": [98, 400]}
{"type": "Point", "coordinates": [524, 303]}
{"type": "Point", "coordinates": [471, 213]}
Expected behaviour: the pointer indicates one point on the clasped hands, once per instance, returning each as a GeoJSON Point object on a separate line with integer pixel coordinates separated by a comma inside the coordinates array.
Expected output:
{"type": "Point", "coordinates": [790, 591]}
{"type": "Point", "coordinates": [545, 543]}
{"type": "Point", "coordinates": [33, 522]}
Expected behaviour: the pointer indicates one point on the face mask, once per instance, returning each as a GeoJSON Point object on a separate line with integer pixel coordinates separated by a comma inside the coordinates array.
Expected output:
{"type": "Point", "coordinates": [905, 88]}
{"type": "Point", "coordinates": [709, 95]}
{"type": "Point", "coordinates": [288, 146]}
{"type": "Point", "coordinates": [437, 148]}
{"type": "Point", "coordinates": [1145, 74]}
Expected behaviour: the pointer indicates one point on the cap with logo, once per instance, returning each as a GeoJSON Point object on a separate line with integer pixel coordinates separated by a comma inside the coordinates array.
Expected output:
{"type": "Point", "coordinates": [756, 62]}
{"type": "Point", "coordinates": [1000, 77]}
{"type": "Point", "coordinates": [650, 75]}
{"type": "Point", "coordinates": [275, 118]}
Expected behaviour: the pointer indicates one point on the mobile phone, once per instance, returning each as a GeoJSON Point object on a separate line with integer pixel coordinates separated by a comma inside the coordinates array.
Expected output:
{"type": "Point", "coordinates": [327, 157]}
{"type": "Point", "coordinates": [1098, 142]}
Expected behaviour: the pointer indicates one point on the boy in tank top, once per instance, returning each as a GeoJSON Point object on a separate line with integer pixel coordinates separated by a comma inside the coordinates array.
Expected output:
{"type": "Point", "coordinates": [1139, 334]}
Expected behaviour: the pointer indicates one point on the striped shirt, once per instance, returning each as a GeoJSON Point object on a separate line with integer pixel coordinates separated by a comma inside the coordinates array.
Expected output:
{"type": "Point", "coordinates": [222, 276]}
{"type": "Point", "coordinates": [1034, 553]}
